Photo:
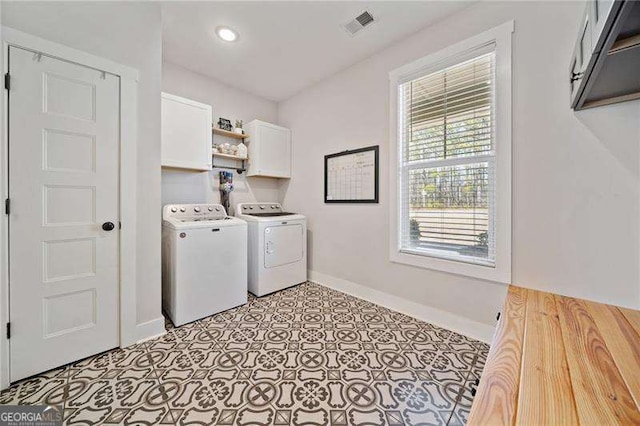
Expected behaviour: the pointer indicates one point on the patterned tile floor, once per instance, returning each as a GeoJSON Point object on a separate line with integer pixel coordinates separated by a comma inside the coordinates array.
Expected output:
{"type": "Point", "coordinates": [307, 355]}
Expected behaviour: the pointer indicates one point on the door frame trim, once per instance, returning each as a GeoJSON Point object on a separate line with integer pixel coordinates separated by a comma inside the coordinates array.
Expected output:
{"type": "Point", "coordinates": [128, 170]}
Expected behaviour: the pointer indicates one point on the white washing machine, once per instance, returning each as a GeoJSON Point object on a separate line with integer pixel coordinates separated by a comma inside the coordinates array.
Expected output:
{"type": "Point", "coordinates": [204, 261]}
{"type": "Point", "coordinates": [277, 247]}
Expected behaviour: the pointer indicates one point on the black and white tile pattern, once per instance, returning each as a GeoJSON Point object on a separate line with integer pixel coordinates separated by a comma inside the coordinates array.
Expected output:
{"type": "Point", "coordinates": [307, 355]}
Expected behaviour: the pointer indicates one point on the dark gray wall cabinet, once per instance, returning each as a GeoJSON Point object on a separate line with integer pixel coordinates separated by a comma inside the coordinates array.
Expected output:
{"type": "Point", "coordinates": [605, 67]}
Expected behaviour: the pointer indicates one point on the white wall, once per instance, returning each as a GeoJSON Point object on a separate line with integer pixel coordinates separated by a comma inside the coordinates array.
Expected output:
{"type": "Point", "coordinates": [575, 193]}
{"type": "Point", "coordinates": [130, 34]}
{"type": "Point", "coordinates": [198, 187]}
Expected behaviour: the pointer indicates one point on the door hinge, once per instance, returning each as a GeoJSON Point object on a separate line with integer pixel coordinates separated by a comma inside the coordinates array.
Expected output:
{"type": "Point", "coordinates": [8, 330]}
{"type": "Point", "coordinates": [7, 206]}
{"type": "Point", "coordinates": [7, 81]}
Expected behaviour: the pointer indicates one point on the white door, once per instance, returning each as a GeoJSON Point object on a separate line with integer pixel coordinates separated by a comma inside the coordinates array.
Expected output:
{"type": "Point", "coordinates": [282, 245]}
{"type": "Point", "coordinates": [63, 187]}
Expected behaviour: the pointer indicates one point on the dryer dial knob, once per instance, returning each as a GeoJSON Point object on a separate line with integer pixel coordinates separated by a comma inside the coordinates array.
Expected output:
{"type": "Point", "coordinates": [196, 209]}
{"type": "Point", "coordinates": [182, 209]}
{"type": "Point", "coordinates": [173, 210]}
{"type": "Point", "coordinates": [210, 209]}
{"type": "Point", "coordinates": [262, 207]}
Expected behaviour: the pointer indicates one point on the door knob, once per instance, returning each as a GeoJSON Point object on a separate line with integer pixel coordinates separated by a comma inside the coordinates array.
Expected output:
{"type": "Point", "coordinates": [108, 226]}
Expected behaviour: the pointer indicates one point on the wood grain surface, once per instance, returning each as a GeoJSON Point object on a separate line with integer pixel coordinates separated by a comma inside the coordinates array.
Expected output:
{"type": "Point", "coordinates": [558, 360]}
{"type": "Point", "coordinates": [633, 317]}
{"type": "Point", "coordinates": [495, 401]}
{"type": "Point", "coordinates": [600, 392]}
{"type": "Point", "coordinates": [546, 397]}
{"type": "Point", "coordinates": [622, 341]}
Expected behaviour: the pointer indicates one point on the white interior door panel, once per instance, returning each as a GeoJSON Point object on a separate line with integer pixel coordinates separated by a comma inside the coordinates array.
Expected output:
{"type": "Point", "coordinates": [63, 185]}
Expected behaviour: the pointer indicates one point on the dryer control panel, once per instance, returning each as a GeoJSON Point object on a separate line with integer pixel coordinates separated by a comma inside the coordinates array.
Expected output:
{"type": "Point", "coordinates": [263, 209]}
{"type": "Point", "coordinates": [248, 208]}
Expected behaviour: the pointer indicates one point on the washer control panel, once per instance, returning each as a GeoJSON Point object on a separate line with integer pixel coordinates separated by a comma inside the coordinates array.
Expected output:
{"type": "Point", "coordinates": [194, 212]}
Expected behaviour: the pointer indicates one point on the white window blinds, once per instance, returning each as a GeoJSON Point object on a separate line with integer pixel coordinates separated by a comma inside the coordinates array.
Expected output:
{"type": "Point", "coordinates": [447, 160]}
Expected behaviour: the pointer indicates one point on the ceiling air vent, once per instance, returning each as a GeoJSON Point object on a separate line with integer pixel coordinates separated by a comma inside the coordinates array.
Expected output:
{"type": "Point", "coordinates": [356, 25]}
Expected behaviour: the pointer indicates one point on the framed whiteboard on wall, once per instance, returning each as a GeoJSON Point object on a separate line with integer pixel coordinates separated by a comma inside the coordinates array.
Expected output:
{"type": "Point", "coordinates": [352, 176]}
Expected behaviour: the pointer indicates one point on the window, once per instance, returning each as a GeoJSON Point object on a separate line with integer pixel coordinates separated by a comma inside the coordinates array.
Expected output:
{"type": "Point", "coordinates": [451, 125]}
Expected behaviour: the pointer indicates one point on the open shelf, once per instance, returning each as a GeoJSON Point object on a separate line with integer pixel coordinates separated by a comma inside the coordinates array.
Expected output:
{"type": "Point", "coordinates": [230, 156]}
{"type": "Point", "coordinates": [625, 44]}
{"type": "Point", "coordinates": [228, 134]}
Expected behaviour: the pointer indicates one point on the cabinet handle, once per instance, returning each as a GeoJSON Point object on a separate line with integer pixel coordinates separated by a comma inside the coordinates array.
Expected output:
{"type": "Point", "coordinates": [575, 76]}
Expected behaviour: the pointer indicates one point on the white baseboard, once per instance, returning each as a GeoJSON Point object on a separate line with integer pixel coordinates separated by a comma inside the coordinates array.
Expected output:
{"type": "Point", "coordinates": [150, 329]}
{"type": "Point", "coordinates": [453, 322]}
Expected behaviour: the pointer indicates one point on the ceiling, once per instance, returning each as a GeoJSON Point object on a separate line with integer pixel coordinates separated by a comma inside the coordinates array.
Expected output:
{"type": "Point", "coordinates": [284, 47]}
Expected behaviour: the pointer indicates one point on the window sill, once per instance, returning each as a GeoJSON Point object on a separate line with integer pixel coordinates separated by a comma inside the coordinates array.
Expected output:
{"type": "Point", "coordinates": [488, 273]}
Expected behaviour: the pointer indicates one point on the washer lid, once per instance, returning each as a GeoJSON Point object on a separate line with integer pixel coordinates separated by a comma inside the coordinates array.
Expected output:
{"type": "Point", "coordinates": [203, 223]}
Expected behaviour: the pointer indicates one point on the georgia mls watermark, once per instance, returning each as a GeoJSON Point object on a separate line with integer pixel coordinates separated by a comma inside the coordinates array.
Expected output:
{"type": "Point", "coordinates": [30, 415]}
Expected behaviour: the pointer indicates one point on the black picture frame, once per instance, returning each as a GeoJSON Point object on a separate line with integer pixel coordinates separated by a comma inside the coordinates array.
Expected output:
{"type": "Point", "coordinates": [225, 124]}
{"type": "Point", "coordinates": [375, 199]}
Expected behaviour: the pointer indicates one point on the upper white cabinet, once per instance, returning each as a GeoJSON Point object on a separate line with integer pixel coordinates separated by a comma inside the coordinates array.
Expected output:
{"type": "Point", "coordinates": [269, 150]}
{"type": "Point", "coordinates": [186, 133]}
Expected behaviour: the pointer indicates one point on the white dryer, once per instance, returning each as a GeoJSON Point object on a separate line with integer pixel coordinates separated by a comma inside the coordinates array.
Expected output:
{"type": "Point", "coordinates": [204, 261]}
{"type": "Point", "coordinates": [277, 247]}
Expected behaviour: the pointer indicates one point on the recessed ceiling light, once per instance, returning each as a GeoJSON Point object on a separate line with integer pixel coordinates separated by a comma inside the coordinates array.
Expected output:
{"type": "Point", "coordinates": [227, 34]}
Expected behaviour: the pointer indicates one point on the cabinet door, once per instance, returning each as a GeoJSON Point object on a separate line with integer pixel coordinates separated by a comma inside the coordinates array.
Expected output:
{"type": "Point", "coordinates": [581, 57]}
{"type": "Point", "coordinates": [273, 146]}
{"type": "Point", "coordinates": [600, 14]}
{"type": "Point", "coordinates": [186, 133]}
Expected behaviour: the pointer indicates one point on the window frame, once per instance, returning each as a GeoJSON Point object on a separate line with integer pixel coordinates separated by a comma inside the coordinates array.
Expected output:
{"type": "Point", "coordinates": [500, 36]}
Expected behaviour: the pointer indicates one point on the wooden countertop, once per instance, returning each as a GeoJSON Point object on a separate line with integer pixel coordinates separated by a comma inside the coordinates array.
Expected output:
{"type": "Point", "coordinates": [557, 360]}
